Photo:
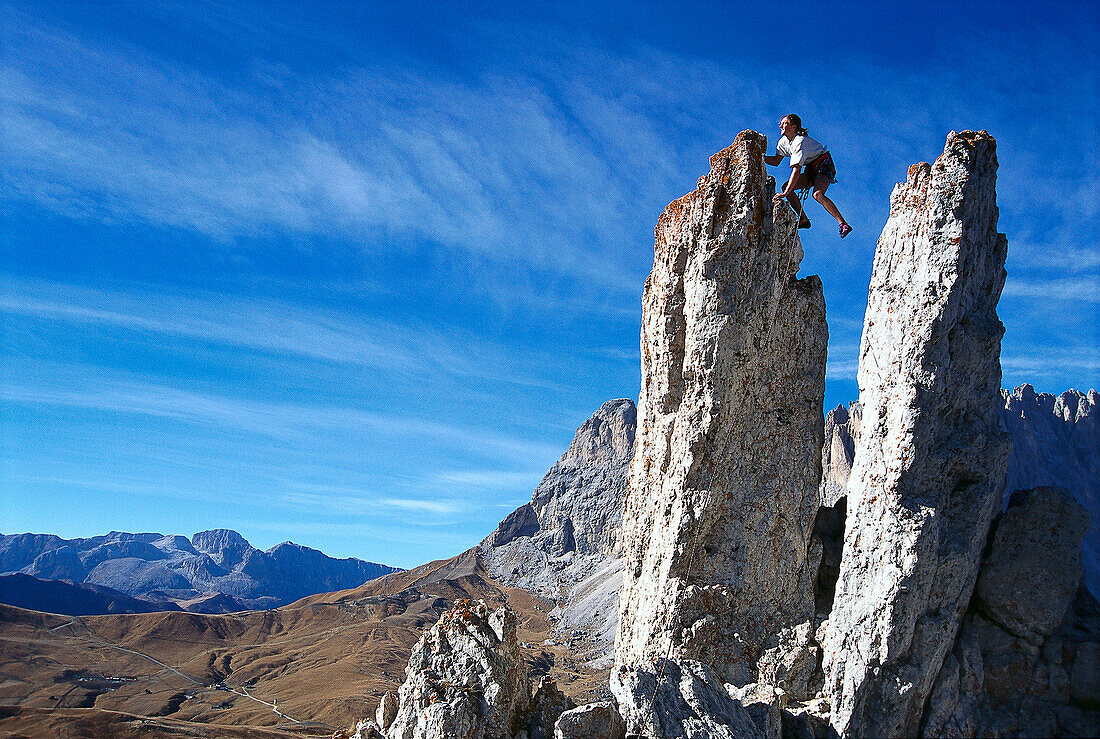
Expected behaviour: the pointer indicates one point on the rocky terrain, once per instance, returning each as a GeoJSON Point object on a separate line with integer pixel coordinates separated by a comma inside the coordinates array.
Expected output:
{"type": "Point", "coordinates": [784, 578]}
{"type": "Point", "coordinates": [1055, 443]}
{"type": "Point", "coordinates": [564, 544]}
{"type": "Point", "coordinates": [215, 571]}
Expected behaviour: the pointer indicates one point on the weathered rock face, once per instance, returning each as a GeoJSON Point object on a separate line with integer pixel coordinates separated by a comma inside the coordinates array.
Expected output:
{"type": "Point", "coordinates": [667, 699]}
{"type": "Point", "coordinates": [1056, 441]}
{"type": "Point", "coordinates": [724, 479]}
{"type": "Point", "coordinates": [588, 721]}
{"type": "Point", "coordinates": [930, 461]}
{"type": "Point", "coordinates": [466, 678]}
{"type": "Point", "coordinates": [565, 543]}
{"type": "Point", "coordinates": [1027, 660]}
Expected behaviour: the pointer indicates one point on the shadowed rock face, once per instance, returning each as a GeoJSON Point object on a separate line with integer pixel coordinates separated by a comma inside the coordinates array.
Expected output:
{"type": "Point", "coordinates": [724, 479]}
{"type": "Point", "coordinates": [1056, 441]}
{"type": "Point", "coordinates": [930, 461]}
{"type": "Point", "coordinates": [1027, 660]}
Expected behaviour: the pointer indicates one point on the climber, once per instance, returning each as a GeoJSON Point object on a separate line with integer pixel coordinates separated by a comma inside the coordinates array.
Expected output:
{"type": "Point", "coordinates": [820, 170]}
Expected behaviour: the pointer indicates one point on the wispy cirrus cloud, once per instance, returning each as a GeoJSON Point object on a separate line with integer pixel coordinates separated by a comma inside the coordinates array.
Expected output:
{"type": "Point", "coordinates": [53, 384]}
{"type": "Point", "coordinates": [1050, 363]}
{"type": "Point", "coordinates": [278, 327]}
{"type": "Point", "coordinates": [1085, 289]}
{"type": "Point", "coordinates": [497, 166]}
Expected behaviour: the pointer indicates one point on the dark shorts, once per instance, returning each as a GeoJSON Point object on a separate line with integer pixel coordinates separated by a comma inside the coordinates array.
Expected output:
{"type": "Point", "coordinates": [821, 171]}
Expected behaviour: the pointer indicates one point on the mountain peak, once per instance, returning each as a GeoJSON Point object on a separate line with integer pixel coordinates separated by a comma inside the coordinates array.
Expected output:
{"type": "Point", "coordinates": [225, 546]}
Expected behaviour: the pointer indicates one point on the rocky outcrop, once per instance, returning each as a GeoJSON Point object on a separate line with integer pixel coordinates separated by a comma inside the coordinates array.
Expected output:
{"type": "Point", "coordinates": [465, 678]}
{"type": "Point", "coordinates": [1056, 441]}
{"type": "Point", "coordinates": [724, 479]}
{"type": "Point", "coordinates": [929, 466]}
{"type": "Point", "coordinates": [546, 707]}
{"type": "Point", "coordinates": [1027, 659]}
{"type": "Point", "coordinates": [679, 698]}
{"type": "Point", "coordinates": [386, 711]}
{"type": "Point", "coordinates": [588, 721]}
{"type": "Point", "coordinates": [565, 544]}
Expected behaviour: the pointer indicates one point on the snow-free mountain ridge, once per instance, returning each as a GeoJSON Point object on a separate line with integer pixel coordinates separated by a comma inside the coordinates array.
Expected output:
{"type": "Point", "coordinates": [214, 571]}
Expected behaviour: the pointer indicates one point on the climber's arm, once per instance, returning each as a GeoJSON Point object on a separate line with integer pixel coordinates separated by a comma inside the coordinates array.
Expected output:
{"type": "Point", "coordinates": [789, 187]}
{"type": "Point", "coordinates": [773, 160]}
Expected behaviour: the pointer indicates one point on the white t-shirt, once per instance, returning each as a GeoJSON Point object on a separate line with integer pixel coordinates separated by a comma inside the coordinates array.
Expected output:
{"type": "Point", "coordinates": [803, 149]}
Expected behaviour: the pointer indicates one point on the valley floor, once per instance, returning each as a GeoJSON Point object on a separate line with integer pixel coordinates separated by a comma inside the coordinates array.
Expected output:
{"type": "Point", "coordinates": [307, 669]}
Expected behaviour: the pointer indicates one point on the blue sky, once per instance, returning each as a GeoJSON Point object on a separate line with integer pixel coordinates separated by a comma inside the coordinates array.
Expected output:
{"type": "Point", "coordinates": [351, 274]}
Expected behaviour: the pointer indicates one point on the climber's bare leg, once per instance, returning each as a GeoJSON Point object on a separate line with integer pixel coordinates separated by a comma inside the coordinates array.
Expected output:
{"type": "Point", "coordinates": [799, 183]}
{"type": "Point", "coordinates": [826, 203]}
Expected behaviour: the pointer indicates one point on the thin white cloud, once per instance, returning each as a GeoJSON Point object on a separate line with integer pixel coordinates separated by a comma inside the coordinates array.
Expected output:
{"type": "Point", "coordinates": [1063, 258]}
{"type": "Point", "coordinates": [1085, 289]}
{"type": "Point", "coordinates": [1048, 363]}
{"type": "Point", "coordinates": [43, 383]}
{"type": "Point", "coordinates": [440, 507]}
{"type": "Point", "coordinates": [494, 167]}
{"type": "Point", "coordinates": [842, 369]}
{"type": "Point", "coordinates": [278, 327]}
{"type": "Point", "coordinates": [491, 479]}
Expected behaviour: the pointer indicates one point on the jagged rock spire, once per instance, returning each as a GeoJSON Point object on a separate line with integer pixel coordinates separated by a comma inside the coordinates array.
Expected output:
{"type": "Point", "coordinates": [930, 460]}
{"type": "Point", "coordinates": [723, 483]}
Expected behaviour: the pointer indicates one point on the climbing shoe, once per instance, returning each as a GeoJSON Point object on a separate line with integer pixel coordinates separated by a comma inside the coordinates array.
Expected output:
{"type": "Point", "coordinates": [804, 224]}
{"type": "Point", "coordinates": [845, 229]}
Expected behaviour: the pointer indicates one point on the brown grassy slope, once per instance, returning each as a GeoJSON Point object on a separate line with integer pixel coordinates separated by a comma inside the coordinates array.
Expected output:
{"type": "Point", "coordinates": [91, 723]}
{"type": "Point", "coordinates": [323, 661]}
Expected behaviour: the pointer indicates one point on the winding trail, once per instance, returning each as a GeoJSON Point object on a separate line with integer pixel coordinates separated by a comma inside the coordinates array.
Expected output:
{"type": "Point", "coordinates": [87, 636]}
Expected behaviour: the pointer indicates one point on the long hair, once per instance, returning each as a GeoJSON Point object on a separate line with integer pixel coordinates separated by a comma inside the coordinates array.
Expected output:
{"type": "Point", "coordinates": [797, 123]}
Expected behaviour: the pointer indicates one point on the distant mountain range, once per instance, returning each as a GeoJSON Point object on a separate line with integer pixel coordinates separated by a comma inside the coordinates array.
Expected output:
{"type": "Point", "coordinates": [215, 571]}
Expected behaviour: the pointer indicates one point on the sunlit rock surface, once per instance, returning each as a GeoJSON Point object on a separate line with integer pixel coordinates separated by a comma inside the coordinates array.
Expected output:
{"type": "Point", "coordinates": [930, 460]}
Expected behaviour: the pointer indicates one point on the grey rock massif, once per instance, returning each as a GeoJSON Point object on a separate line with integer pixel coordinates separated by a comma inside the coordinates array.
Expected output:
{"type": "Point", "coordinates": [1027, 660]}
{"type": "Point", "coordinates": [723, 484]}
{"type": "Point", "coordinates": [564, 544]}
{"type": "Point", "coordinates": [929, 465]}
{"type": "Point", "coordinates": [1056, 441]}
{"type": "Point", "coordinates": [213, 572]}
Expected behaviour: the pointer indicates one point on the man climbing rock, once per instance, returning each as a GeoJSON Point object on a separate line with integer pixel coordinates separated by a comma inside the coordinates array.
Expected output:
{"type": "Point", "coordinates": [820, 172]}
